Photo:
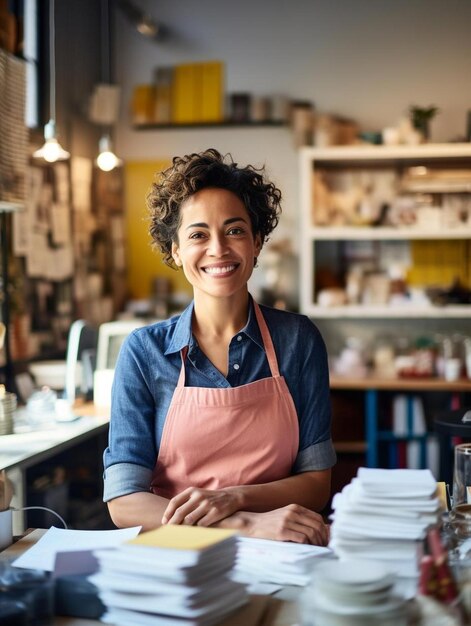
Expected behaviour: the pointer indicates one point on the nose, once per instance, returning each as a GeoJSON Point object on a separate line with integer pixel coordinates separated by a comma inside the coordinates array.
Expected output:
{"type": "Point", "coordinates": [217, 246]}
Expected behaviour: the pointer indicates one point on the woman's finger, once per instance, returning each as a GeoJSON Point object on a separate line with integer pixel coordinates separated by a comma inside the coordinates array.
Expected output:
{"type": "Point", "coordinates": [312, 534]}
{"type": "Point", "coordinates": [176, 502]}
{"type": "Point", "coordinates": [318, 531]}
{"type": "Point", "coordinates": [213, 516]}
{"type": "Point", "coordinates": [193, 509]}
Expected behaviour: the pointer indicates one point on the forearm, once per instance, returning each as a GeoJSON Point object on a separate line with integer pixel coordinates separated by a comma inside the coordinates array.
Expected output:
{"type": "Point", "coordinates": [138, 509]}
{"type": "Point", "coordinates": [309, 489]}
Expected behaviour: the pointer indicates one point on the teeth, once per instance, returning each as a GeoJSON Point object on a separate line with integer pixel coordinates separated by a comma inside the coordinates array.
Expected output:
{"type": "Point", "coordinates": [219, 270]}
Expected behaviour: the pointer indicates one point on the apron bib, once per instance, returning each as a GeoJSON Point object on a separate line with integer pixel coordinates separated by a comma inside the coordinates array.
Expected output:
{"type": "Point", "coordinates": [216, 438]}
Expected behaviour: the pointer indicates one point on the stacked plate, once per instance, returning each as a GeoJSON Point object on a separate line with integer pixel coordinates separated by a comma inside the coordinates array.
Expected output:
{"type": "Point", "coordinates": [352, 593]}
{"type": "Point", "coordinates": [7, 409]}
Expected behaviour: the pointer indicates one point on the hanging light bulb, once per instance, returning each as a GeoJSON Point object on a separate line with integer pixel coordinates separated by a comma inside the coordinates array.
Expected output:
{"type": "Point", "coordinates": [107, 159]}
{"type": "Point", "coordinates": [51, 151]}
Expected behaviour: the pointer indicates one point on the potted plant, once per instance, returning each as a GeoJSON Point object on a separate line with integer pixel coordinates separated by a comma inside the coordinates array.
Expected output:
{"type": "Point", "coordinates": [421, 118]}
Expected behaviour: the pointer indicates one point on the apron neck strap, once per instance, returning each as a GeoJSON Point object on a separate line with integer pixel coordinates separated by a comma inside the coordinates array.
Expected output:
{"type": "Point", "coordinates": [267, 343]}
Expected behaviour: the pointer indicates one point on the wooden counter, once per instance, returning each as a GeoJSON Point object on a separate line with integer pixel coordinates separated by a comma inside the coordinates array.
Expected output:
{"type": "Point", "coordinates": [401, 384]}
{"type": "Point", "coordinates": [31, 445]}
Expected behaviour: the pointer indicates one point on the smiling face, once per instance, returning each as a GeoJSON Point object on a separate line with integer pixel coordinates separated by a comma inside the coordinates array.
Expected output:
{"type": "Point", "coordinates": [216, 246]}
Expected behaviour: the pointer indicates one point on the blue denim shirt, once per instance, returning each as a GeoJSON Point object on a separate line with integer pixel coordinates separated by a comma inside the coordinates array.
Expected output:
{"type": "Point", "coordinates": [147, 373]}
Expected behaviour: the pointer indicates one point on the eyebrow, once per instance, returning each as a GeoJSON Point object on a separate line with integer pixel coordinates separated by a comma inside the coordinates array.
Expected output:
{"type": "Point", "coordinates": [231, 220]}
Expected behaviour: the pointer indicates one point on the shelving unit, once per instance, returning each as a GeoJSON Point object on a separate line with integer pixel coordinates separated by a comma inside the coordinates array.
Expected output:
{"type": "Point", "coordinates": [363, 431]}
{"type": "Point", "coordinates": [396, 159]}
{"type": "Point", "coordinates": [372, 386]}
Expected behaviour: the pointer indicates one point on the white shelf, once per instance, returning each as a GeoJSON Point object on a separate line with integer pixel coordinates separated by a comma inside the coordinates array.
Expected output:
{"type": "Point", "coordinates": [346, 233]}
{"type": "Point", "coordinates": [378, 153]}
{"type": "Point", "coordinates": [456, 155]}
{"type": "Point", "coordinates": [405, 312]}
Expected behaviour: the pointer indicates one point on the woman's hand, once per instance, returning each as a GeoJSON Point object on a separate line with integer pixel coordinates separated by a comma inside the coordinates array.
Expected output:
{"type": "Point", "coordinates": [290, 523]}
{"type": "Point", "coordinates": [201, 507]}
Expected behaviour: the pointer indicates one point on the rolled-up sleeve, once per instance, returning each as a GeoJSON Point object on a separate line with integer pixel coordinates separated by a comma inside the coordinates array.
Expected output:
{"type": "Point", "coordinates": [125, 478]}
{"type": "Point", "coordinates": [317, 457]}
{"type": "Point", "coordinates": [316, 450]}
{"type": "Point", "coordinates": [132, 450]}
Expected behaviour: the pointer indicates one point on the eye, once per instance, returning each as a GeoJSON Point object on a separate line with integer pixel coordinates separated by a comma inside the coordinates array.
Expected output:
{"type": "Point", "coordinates": [196, 235]}
{"type": "Point", "coordinates": [236, 230]}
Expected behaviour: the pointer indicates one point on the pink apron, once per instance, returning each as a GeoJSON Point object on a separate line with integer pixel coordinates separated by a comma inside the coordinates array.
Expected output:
{"type": "Point", "coordinates": [216, 438]}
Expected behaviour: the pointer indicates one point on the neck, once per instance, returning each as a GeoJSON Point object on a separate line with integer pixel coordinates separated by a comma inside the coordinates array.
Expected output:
{"type": "Point", "coordinates": [220, 316]}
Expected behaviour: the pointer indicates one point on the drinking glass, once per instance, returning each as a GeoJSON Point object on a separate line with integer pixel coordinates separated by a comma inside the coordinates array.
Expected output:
{"type": "Point", "coordinates": [462, 478]}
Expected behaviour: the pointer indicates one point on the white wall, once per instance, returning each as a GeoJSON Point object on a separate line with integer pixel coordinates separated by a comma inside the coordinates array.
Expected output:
{"type": "Point", "coordinates": [367, 59]}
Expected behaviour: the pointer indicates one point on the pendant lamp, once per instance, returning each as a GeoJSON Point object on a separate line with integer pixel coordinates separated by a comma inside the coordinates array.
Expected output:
{"type": "Point", "coordinates": [51, 151]}
{"type": "Point", "coordinates": [107, 159]}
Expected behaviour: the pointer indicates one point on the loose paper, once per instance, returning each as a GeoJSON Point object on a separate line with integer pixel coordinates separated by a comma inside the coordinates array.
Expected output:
{"type": "Point", "coordinates": [43, 554]}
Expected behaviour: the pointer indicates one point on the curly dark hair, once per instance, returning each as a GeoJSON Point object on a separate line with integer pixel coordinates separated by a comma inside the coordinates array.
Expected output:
{"type": "Point", "coordinates": [197, 171]}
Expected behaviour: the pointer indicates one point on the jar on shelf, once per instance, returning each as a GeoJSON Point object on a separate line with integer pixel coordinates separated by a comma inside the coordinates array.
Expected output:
{"type": "Point", "coordinates": [384, 357]}
{"type": "Point", "coordinates": [424, 357]}
{"type": "Point", "coordinates": [454, 355]}
{"type": "Point", "coordinates": [352, 360]}
{"type": "Point", "coordinates": [404, 359]}
{"type": "Point", "coordinates": [467, 352]}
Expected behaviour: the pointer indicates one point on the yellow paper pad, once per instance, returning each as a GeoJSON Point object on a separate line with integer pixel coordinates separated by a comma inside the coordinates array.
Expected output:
{"type": "Point", "coordinates": [176, 537]}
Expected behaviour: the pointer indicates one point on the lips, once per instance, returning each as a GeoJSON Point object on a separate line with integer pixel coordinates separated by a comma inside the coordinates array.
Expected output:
{"type": "Point", "coordinates": [220, 270]}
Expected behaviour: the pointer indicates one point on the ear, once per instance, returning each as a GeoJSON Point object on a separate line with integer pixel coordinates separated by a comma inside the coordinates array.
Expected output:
{"type": "Point", "coordinates": [176, 254]}
{"type": "Point", "coordinates": [258, 244]}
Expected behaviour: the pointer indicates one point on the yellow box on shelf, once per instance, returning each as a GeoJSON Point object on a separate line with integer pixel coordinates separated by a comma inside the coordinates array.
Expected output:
{"type": "Point", "coordinates": [184, 94]}
{"type": "Point", "coordinates": [440, 263]}
{"type": "Point", "coordinates": [212, 91]}
{"type": "Point", "coordinates": [142, 106]}
{"type": "Point", "coordinates": [198, 93]}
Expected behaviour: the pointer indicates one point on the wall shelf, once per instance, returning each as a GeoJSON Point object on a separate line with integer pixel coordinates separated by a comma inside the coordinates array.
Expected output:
{"type": "Point", "coordinates": [359, 311]}
{"type": "Point", "coordinates": [361, 233]}
{"type": "Point", "coordinates": [199, 125]}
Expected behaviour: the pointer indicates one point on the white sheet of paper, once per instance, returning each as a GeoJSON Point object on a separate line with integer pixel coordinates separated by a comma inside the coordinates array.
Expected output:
{"type": "Point", "coordinates": [81, 174]}
{"type": "Point", "coordinates": [43, 554]}
{"type": "Point", "coordinates": [263, 589]}
{"type": "Point", "coordinates": [37, 261]}
{"type": "Point", "coordinates": [60, 223]}
{"type": "Point", "coordinates": [60, 263]}
{"type": "Point", "coordinates": [61, 173]}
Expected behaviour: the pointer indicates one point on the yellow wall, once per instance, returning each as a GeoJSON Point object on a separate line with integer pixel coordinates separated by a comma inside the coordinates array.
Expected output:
{"type": "Point", "coordinates": [144, 263]}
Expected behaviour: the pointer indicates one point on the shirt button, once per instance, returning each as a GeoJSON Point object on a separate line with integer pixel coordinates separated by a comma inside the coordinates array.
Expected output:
{"type": "Point", "coordinates": [239, 338]}
{"type": "Point", "coordinates": [236, 366]}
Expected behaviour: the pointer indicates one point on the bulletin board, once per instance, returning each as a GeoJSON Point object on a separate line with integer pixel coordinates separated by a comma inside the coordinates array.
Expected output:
{"type": "Point", "coordinates": [143, 262]}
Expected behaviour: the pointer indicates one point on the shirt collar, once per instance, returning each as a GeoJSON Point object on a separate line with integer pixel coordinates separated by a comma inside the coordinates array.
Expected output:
{"type": "Point", "coordinates": [182, 336]}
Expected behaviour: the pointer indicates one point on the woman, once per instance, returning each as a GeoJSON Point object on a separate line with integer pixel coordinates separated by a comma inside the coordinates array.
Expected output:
{"type": "Point", "coordinates": [220, 416]}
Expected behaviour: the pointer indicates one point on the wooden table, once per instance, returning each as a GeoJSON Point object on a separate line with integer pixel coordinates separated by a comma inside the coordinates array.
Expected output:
{"type": "Point", "coordinates": [277, 610]}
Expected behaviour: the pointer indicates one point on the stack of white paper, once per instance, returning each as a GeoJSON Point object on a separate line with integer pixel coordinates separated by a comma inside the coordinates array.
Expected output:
{"type": "Point", "coordinates": [171, 575]}
{"type": "Point", "coordinates": [383, 515]}
{"type": "Point", "coordinates": [275, 562]}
